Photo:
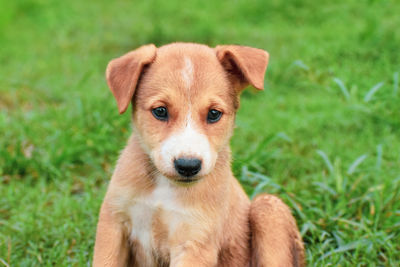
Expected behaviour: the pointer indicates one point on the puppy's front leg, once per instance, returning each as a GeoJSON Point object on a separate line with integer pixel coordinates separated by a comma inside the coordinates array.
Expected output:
{"type": "Point", "coordinates": [111, 247]}
{"type": "Point", "coordinates": [276, 240]}
{"type": "Point", "coordinates": [191, 254]}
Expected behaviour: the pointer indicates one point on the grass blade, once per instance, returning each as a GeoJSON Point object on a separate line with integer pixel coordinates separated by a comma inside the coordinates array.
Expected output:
{"type": "Point", "coordinates": [343, 248]}
{"type": "Point", "coordinates": [395, 83]}
{"type": "Point", "coordinates": [259, 188]}
{"type": "Point", "coordinates": [342, 87]}
{"type": "Point", "coordinates": [328, 163]}
{"type": "Point", "coordinates": [264, 143]}
{"type": "Point", "coordinates": [338, 176]}
{"type": "Point", "coordinates": [300, 64]}
{"type": "Point", "coordinates": [379, 152]}
{"type": "Point", "coordinates": [4, 262]}
{"type": "Point", "coordinates": [372, 91]}
{"type": "Point", "coordinates": [326, 188]}
{"type": "Point", "coordinates": [356, 163]}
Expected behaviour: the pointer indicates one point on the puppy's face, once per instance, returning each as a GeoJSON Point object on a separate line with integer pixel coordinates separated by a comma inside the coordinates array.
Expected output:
{"type": "Point", "coordinates": [184, 111]}
{"type": "Point", "coordinates": [184, 108]}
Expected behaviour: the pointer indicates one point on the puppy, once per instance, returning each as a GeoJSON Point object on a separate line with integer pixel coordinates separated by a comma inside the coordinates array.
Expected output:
{"type": "Point", "coordinates": [173, 200]}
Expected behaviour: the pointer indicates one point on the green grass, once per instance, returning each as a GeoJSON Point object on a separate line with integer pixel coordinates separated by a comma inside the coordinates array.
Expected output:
{"type": "Point", "coordinates": [324, 136]}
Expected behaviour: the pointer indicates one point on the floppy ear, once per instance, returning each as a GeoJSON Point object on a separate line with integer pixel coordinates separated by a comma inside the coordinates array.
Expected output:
{"type": "Point", "coordinates": [245, 65]}
{"type": "Point", "coordinates": [123, 73]}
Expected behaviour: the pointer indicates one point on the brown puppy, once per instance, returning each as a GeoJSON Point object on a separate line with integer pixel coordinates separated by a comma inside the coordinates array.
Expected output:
{"type": "Point", "coordinates": [172, 200]}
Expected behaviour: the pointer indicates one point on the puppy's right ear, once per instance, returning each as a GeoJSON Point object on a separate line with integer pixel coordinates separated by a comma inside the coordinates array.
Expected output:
{"type": "Point", "coordinates": [123, 73]}
{"type": "Point", "coordinates": [245, 65]}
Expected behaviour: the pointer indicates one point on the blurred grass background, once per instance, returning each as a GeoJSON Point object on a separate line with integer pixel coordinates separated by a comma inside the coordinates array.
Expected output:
{"type": "Point", "coordinates": [324, 136]}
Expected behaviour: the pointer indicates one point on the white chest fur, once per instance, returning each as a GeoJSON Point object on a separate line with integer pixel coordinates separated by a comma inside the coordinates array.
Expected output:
{"type": "Point", "coordinates": [142, 214]}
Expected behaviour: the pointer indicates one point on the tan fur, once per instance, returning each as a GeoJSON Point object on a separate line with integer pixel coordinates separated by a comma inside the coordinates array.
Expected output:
{"type": "Point", "coordinates": [272, 223]}
{"type": "Point", "coordinates": [148, 218]}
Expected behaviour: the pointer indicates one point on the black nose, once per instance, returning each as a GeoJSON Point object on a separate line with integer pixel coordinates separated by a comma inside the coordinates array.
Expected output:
{"type": "Point", "coordinates": [187, 167]}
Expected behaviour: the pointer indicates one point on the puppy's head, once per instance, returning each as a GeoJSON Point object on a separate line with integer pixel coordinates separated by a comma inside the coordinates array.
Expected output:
{"type": "Point", "coordinates": [184, 98]}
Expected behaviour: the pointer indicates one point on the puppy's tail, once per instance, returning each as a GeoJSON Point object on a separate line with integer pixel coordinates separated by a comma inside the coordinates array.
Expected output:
{"type": "Point", "coordinates": [276, 241]}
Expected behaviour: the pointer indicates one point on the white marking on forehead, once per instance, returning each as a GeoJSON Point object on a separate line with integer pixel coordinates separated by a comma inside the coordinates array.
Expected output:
{"type": "Point", "coordinates": [187, 72]}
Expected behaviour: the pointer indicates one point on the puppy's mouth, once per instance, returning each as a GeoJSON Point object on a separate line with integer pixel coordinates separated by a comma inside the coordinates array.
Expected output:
{"type": "Point", "coordinates": [181, 180]}
{"type": "Point", "coordinates": [186, 181]}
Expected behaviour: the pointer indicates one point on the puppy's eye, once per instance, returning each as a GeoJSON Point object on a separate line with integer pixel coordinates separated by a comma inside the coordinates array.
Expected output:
{"type": "Point", "coordinates": [213, 116]}
{"type": "Point", "coordinates": [160, 113]}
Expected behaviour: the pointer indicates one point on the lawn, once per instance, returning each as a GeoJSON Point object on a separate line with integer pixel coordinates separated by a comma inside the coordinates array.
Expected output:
{"type": "Point", "coordinates": [324, 135]}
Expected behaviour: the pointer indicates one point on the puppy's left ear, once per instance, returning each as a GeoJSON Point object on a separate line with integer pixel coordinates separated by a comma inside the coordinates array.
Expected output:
{"type": "Point", "coordinates": [123, 73]}
{"type": "Point", "coordinates": [245, 65]}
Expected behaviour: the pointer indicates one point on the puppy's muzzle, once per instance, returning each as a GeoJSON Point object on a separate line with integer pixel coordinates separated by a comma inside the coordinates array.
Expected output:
{"type": "Point", "coordinates": [187, 167]}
